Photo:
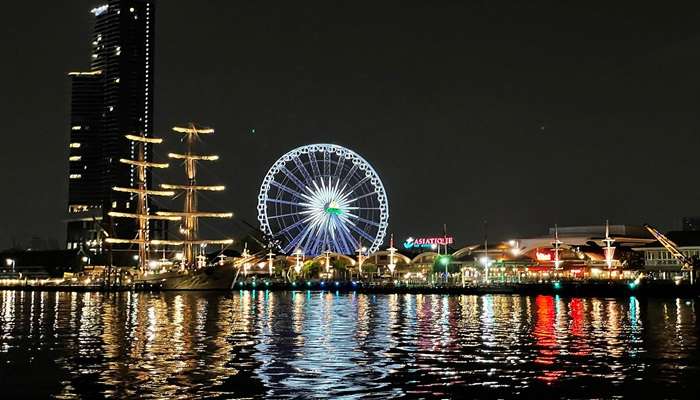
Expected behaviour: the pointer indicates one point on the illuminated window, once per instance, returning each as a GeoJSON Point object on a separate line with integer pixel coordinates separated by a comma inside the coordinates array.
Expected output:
{"type": "Point", "coordinates": [114, 204]}
{"type": "Point", "coordinates": [74, 158]}
{"type": "Point", "coordinates": [75, 145]}
{"type": "Point", "coordinates": [75, 176]}
{"type": "Point", "coordinates": [116, 80]}
{"type": "Point", "coordinates": [76, 127]}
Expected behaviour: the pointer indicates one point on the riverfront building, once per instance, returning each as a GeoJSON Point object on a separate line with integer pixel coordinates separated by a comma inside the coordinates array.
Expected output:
{"type": "Point", "coordinates": [112, 98]}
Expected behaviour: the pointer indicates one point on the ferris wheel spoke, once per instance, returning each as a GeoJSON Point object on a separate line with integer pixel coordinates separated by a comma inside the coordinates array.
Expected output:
{"type": "Point", "coordinates": [361, 197]}
{"type": "Point", "coordinates": [361, 233]}
{"type": "Point", "coordinates": [293, 178]}
{"type": "Point", "coordinates": [314, 164]}
{"type": "Point", "coordinates": [283, 215]}
{"type": "Point", "coordinates": [298, 238]}
{"type": "Point", "coordinates": [366, 221]}
{"type": "Point", "coordinates": [339, 168]}
{"type": "Point", "coordinates": [326, 163]}
{"type": "Point", "coordinates": [303, 170]}
{"type": "Point", "coordinates": [278, 201]}
{"type": "Point", "coordinates": [294, 225]}
{"type": "Point", "coordinates": [347, 239]}
{"type": "Point", "coordinates": [287, 189]}
{"type": "Point", "coordinates": [348, 175]}
{"type": "Point", "coordinates": [358, 184]}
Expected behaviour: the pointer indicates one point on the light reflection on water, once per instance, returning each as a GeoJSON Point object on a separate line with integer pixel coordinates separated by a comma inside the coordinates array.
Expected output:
{"type": "Point", "coordinates": [324, 344]}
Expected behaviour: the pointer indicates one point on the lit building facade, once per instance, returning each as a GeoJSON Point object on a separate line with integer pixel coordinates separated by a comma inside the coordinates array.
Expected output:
{"type": "Point", "coordinates": [113, 98]}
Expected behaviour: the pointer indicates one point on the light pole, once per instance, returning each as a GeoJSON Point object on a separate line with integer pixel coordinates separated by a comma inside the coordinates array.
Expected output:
{"type": "Point", "coordinates": [360, 259]}
{"type": "Point", "coordinates": [392, 250]}
{"type": "Point", "coordinates": [327, 253]}
{"type": "Point", "coordinates": [270, 256]}
{"type": "Point", "coordinates": [10, 262]}
{"type": "Point", "coordinates": [299, 260]}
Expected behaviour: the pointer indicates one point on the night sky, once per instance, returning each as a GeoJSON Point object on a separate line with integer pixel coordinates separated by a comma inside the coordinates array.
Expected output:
{"type": "Point", "coordinates": [522, 113]}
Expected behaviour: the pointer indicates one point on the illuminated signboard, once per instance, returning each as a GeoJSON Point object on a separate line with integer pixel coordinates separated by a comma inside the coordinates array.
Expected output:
{"type": "Point", "coordinates": [543, 256]}
{"type": "Point", "coordinates": [427, 242]}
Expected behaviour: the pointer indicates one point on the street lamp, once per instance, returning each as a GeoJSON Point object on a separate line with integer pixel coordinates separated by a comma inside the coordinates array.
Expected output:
{"type": "Point", "coordinates": [445, 261]}
{"type": "Point", "coordinates": [270, 256]}
{"type": "Point", "coordinates": [360, 259]}
{"type": "Point", "coordinates": [298, 264]}
{"type": "Point", "coordinates": [10, 262]}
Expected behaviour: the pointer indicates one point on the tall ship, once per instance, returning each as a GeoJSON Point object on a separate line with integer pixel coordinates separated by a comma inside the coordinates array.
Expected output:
{"type": "Point", "coordinates": [188, 267]}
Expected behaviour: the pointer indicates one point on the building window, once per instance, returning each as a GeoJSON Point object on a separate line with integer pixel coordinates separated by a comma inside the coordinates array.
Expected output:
{"type": "Point", "coordinates": [74, 145]}
{"type": "Point", "coordinates": [75, 176]}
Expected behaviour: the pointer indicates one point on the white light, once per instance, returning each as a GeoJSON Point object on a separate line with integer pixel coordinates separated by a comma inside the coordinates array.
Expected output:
{"type": "Point", "coordinates": [9, 262]}
{"type": "Point", "coordinates": [85, 259]}
{"type": "Point", "coordinates": [99, 10]}
{"type": "Point", "coordinates": [136, 257]}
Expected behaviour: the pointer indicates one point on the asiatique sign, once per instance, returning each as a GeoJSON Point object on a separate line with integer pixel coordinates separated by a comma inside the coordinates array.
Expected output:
{"type": "Point", "coordinates": [427, 242]}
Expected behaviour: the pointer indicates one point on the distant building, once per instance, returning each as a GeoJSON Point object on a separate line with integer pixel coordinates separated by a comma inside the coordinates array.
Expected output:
{"type": "Point", "coordinates": [691, 224]}
{"type": "Point", "coordinates": [111, 99]}
{"type": "Point", "coordinates": [660, 264]}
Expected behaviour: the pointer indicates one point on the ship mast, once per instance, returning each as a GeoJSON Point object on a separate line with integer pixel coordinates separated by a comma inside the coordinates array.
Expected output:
{"type": "Point", "coordinates": [141, 193]}
{"type": "Point", "coordinates": [189, 228]}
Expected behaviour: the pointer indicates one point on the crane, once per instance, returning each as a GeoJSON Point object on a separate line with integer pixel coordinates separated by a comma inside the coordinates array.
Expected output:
{"type": "Point", "coordinates": [687, 263]}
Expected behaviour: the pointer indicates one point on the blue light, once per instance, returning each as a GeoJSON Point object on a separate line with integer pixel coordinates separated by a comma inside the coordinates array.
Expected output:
{"type": "Point", "coordinates": [337, 283]}
{"type": "Point", "coordinates": [354, 283]}
{"type": "Point", "coordinates": [323, 283]}
{"type": "Point", "coordinates": [557, 285]}
{"type": "Point", "coordinates": [632, 285]}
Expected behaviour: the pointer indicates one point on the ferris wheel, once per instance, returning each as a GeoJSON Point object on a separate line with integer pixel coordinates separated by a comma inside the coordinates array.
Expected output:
{"type": "Point", "coordinates": [323, 197]}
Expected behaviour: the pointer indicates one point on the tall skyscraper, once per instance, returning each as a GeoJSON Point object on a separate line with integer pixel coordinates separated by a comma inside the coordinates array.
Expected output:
{"type": "Point", "coordinates": [113, 98]}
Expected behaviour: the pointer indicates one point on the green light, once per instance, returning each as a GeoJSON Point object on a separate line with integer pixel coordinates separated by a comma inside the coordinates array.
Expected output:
{"type": "Point", "coordinates": [333, 208]}
{"type": "Point", "coordinates": [557, 285]}
{"type": "Point", "coordinates": [308, 283]}
{"type": "Point", "coordinates": [444, 260]}
{"type": "Point", "coordinates": [240, 283]}
{"type": "Point", "coordinates": [632, 285]}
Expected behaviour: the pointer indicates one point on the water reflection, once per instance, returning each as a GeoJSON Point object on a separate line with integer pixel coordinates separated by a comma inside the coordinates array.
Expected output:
{"type": "Point", "coordinates": [326, 344]}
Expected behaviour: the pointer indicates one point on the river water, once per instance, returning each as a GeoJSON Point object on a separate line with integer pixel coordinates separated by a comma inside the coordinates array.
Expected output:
{"type": "Point", "coordinates": [324, 344]}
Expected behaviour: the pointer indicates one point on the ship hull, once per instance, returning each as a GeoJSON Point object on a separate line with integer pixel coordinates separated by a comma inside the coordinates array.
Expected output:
{"type": "Point", "coordinates": [210, 278]}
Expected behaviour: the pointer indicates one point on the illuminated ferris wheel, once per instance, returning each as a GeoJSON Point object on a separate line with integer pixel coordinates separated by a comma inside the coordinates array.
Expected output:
{"type": "Point", "coordinates": [323, 197]}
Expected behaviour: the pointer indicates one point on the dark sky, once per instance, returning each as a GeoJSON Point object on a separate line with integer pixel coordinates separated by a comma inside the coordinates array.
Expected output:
{"type": "Point", "coordinates": [524, 113]}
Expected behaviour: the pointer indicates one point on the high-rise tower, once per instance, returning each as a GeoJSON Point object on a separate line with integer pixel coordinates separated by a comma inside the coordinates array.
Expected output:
{"type": "Point", "coordinates": [113, 98]}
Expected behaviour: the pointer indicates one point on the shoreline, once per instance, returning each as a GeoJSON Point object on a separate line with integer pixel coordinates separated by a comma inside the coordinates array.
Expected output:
{"type": "Point", "coordinates": [569, 289]}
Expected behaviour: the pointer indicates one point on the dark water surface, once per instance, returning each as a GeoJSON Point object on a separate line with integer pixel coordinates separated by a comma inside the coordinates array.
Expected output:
{"type": "Point", "coordinates": [320, 344]}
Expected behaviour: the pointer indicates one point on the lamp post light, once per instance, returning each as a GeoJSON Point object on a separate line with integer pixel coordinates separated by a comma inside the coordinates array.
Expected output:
{"type": "Point", "coordinates": [486, 262]}
{"type": "Point", "coordinates": [299, 260]}
{"type": "Point", "coordinates": [392, 250]}
{"type": "Point", "coordinates": [270, 256]}
{"type": "Point", "coordinates": [360, 259]}
{"type": "Point", "coordinates": [327, 253]}
{"type": "Point", "coordinates": [11, 262]}
{"type": "Point", "coordinates": [445, 261]}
